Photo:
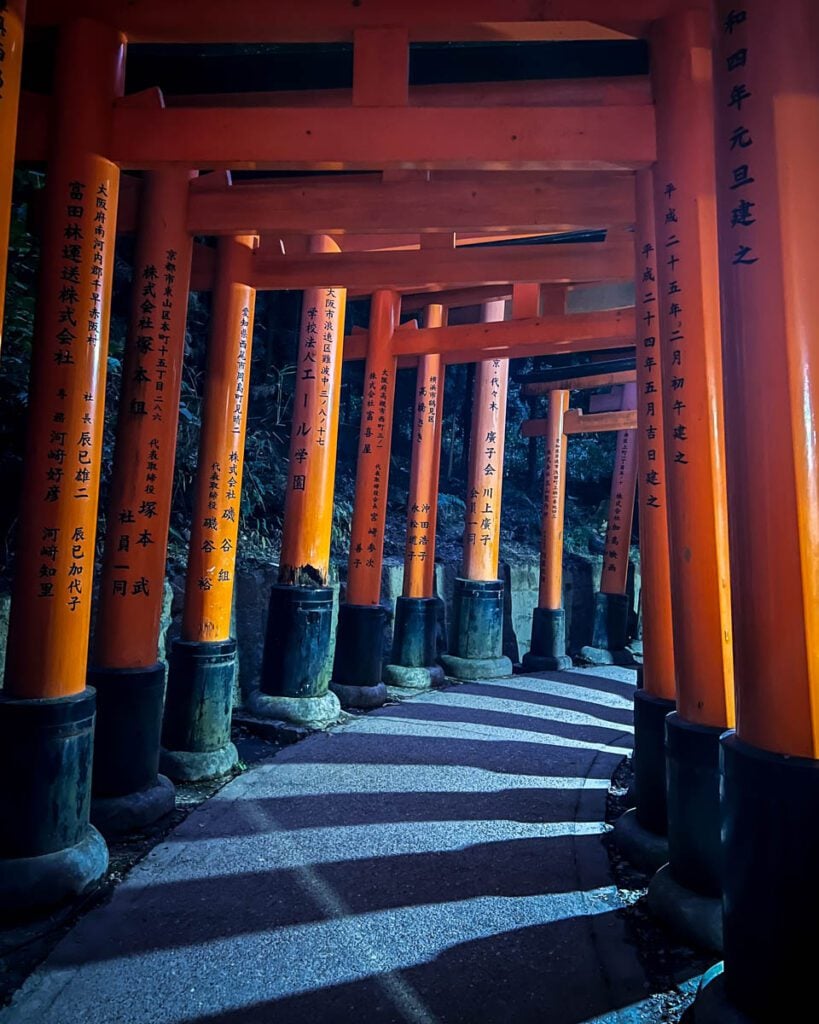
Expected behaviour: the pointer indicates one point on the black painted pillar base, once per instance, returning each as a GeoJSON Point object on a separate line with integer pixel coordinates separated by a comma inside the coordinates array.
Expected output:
{"type": "Point", "coordinates": [712, 1005]}
{"type": "Point", "coordinates": [196, 742]}
{"type": "Point", "coordinates": [477, 632]}
{"type": "Point", "coordinates": [296, 664]}
{"type": "Point", "coordinates": [649, 760]}
{"type": "Point", "coordinates": [770, 832]}
{"type": "Point", "coordinates": [687, 893]}
{"type": "Point", "coordinates": [610, 631]}
{"type": "Point", "coordinates": [412, 668]}
{"type": "Point", "coordinates": [48, 850]}
{"type": "Point", "coordinates": [357, 666]}
{"type": "Point", "coordinates": [128, 792]}
{"type": "Point", "coordinates": [548, 650]}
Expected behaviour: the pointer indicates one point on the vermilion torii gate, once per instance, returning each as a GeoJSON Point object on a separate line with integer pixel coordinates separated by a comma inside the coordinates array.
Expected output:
{"type": "Point", "coordinates": [725, 314]}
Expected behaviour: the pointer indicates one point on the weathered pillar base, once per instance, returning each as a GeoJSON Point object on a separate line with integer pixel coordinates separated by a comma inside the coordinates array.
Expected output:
{"type": "Point", "coordinates": [771, 846]}
{"type": "Point", "coordinates": [48, 850]}
{"type": "Point", "coordinates": [687, 893]}
{"type": "Point", "coordinates": [128, 792]}
{"type": "Point", "coordinates": [548, 650]}
{"type": "Point", "coordinates": [415, 630]}
{"type": "Point", "coordinates": [610, 631]}
{"type": "Point", "coordinates": [712, 1005]}
{"type": "Point", "coordinates": [646, 850]}
{"type": "Point", "coordinates": [357, 666]}
{"type": "Point", "coordinates": [196, 742]}
{"type": "Point", "coordinates": [477, 632]}
{"type": "Point", "coordinates": [296, 665]}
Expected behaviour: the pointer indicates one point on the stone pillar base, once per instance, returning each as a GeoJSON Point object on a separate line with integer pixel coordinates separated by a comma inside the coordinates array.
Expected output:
{"type": "Point", "coordinates": [646, 850]}
{"type": "Point", "coordinates": [610, 631]}
{"type": "Point", "coordinates": [548, 650]}
{"type": "Point", "coordinates": [648, 759]}
{"type": "Point", "coordinates": [403, 681]}
{"type": "Point", "coordinates": [48, 850]}
{"type": "Point", "coordinates": [311, 713]}
{"type": "Point", "coordinates": [771, 847]}
{"type": "Point", "coordinates": [357, 665]}
{"type": "Point", "coordinates": [695, 918]}
{"type": "Point", "coordinates": [198, 709]}
{"type": "Point", "coordinates": [469, 670]}
{"type": "Point", "coordinates": [127, 791]}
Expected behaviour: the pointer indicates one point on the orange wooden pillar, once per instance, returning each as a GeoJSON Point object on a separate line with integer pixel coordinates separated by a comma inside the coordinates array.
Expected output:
{"type": "Point", "coordinates": [357, 666]}
{"type": "Point", "coordinates": [12, 18]}
{"type": "Point", "coordinates": [415, 629]}
{"type": "Point", "coordinates": [548, 650]}
{"type": "Point", "coordinates": [46, 711]}
{"type": "Point", "coordinates": [196, 732]}
{"type": "Point", "coordinates": [297, 665]}
{"type": "Point", "coordinates": [767, 108]}
{"type": "Point", "coordinates": [655, 699]}
{"type": "Point", "coordinates": [477, 633]}
{"type": "Point", "coordinates": [611, 609]}
{"type": "Point", "coordinates": [686, 323]}
{"type": "Point", "coordinates": [126, 670]}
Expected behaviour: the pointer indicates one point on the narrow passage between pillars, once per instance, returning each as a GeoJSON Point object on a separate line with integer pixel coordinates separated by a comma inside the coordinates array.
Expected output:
{"type": "Point", "coordinates": [686, 321]}
{"type": "Point", "coordinates": [297, 665]}
{"type": "Point", "coordinates": [548, 650]}
{"type": "Point", "coordinates": [414, 651]}
{"type": "Point", "coordinates": [196, 740]}
{"type": "Point", "coordinates": [767, 105]}
{"type": "Point", "coordinates": [641, 831]}
{"type": "Point", "coordinates": [126, 670]}
{"type": "Point", "coordinates": [48, 850]}
{"type": "Point", "coordinates": [611, 607]}
{"type": "Point", "coordinates": [476, 637]}
{"type": "Point", "coordinates": [357, 666]}
{"type": "Point", "coordinates": [12, 19]}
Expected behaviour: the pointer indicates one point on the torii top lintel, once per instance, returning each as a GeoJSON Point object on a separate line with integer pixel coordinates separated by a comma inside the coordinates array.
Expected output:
{"type": "Point", "coordinates": [259, 21]}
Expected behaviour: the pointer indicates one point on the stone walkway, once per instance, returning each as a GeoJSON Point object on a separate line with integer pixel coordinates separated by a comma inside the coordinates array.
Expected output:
{"type": "Point", "coordinates": [435, 862]}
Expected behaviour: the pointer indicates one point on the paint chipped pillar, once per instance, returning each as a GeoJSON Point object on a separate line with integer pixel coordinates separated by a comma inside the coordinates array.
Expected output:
{"type": "Point", "coordinates": [296, 665]}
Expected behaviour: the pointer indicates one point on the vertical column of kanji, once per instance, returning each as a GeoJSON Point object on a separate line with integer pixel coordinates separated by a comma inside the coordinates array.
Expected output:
{"type": "Point", "coordinates": [196, 731]}
{"type": "Point", "coordinates": [12, 18]}
{"type": "Point", "coordinates": [414, 649]}
{"type": "Point", "coordinates": [125, 671]}
{"type": "Point", "coordinates": [548, 650]}
{"type": "Point", "coordinates": [357, 666]}
{"type": "Point", "coordinates": [612, 606]}
{"type": "Point", "coordinates": [296, 667]}
{"type": "Point", "coordinates": [640, 831]}
{"type": "Point", "coordinates": [767, 109]}
{"type": "Point", "coordinates": [477, 634]}
{"type": "Point", "coordinates": [46, 711]}
{"type": "Point", "coordinates": [688, 318]}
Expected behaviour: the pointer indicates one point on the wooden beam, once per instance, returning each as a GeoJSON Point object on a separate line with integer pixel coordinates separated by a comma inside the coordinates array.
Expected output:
{"type": "Point", "coordinates": [543, 335]}
{"type": "Point", "coordinates": [260, 21]}
{"type": "Point", "coordinates": [599, 380]}
{"type": "Point", "coordinates": [576, 422]}
{"type": "Point", "coordinates": [455, 298]}
{"type": "Point", "coordinates": [349, 138]}
{"type": "Point", "coordinates": [442, 270]}
{"type": "Point", "coordinates": [557, 92]}
{"type": "Point", "coordinates": [479, 202]}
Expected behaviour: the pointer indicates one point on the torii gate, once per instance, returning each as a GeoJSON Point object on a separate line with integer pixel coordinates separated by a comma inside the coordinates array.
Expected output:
{"type": "Point", "coordinates": [734, 234]}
